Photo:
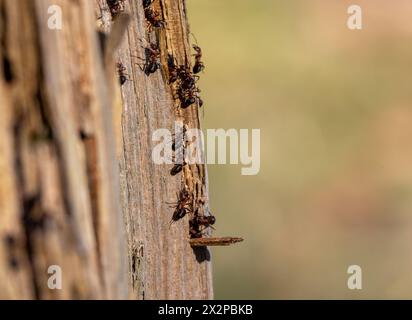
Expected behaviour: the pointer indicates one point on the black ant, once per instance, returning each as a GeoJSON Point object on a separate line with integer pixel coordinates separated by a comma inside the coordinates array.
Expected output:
{"type": "Point", "coordinates": [115, 6]}
{"type": "Point", "coordinates": [187, 91]}
{"type": "Point", "coordinates": [188, 97]}
{"type": "Point", "coordinates": [152, 59]}
{"type": "Point", "coordinates": [196, 232]}
{"type": "Point", "coordinates": [180, 141]}
{"type": "Point", "coordinates": [185, 100]}
{"type": "Point", "coordinates": [199, 221]}
{"type": "Point", "coordinates": [199, 66]}
{"type": "Point", "coordinates": [173, 69]}
{"type": "Point", "coordinates": [152, 17]}
{"type": "Point", "coordinates": [183, 205]}
{"type": "Point", "coordinates": [177, 144]}
{"type": "Point", "coordinates": [121, 70]}
{"type": "Point", "coordinates": [187, 79]}
{"type": "Point", "coordinates": [205, 221]}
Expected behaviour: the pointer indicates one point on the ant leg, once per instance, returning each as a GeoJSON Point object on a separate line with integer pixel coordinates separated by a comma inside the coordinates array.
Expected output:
{"type": "Point", "coordinates": [171, 222]}
{"type": "Point", "coordinates": [172, 204]}
{"type": "Point", "coordinates": [204, 230]}
{"type": "Point", "coordinates": [142, 67]}
{"type": "Point", "coordinates": [140, 58]}
{"type": "Point", "coordinates": [194, 37]}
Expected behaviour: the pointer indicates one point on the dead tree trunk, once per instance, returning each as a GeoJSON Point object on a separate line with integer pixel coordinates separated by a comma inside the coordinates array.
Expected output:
{"type": "Point", "coordinates": [161, 262]}
{"type": "Point", "coordinates": [78, 187]}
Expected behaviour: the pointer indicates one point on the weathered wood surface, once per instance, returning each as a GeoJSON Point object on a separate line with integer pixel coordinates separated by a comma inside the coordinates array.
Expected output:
{"type": "Point", "coordinates": [162, 263]}
{"type": "Point", "coordinates": [78, 187]}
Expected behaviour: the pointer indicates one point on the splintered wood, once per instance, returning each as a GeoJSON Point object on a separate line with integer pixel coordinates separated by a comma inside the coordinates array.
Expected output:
{"type": "Point", "coordinates": [222, 241]}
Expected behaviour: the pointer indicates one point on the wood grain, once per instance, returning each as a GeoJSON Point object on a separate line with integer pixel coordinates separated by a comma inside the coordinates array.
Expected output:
{"type": "Point", "coordinates": [162, 263]}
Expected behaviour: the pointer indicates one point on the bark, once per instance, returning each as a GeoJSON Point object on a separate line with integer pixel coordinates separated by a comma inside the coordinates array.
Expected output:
{"type": "Point", "coordinates": [78, 187]}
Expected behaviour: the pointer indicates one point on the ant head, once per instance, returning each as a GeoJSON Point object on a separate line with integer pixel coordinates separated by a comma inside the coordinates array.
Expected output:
{"type": "Point", "coordinates": [194, 38]}
{"type": "Point", "coordinates": [198, 67]}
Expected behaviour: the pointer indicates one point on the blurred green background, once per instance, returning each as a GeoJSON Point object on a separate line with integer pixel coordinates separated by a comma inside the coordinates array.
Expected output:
{"type": "Point", "coordinates": [334, 109]}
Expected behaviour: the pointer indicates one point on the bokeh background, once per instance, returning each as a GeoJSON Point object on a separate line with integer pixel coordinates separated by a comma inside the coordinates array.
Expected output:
{"type": "Point", "coordinates": [334, 109]}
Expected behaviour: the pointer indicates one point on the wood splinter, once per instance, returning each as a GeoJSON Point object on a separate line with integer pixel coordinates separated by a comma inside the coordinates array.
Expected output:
{"type": "Point", "coordinates": [222, 241]}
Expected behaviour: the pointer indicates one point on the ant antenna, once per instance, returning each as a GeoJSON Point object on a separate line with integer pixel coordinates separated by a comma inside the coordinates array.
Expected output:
{"type": "Point", "coordinates": [194, 37]}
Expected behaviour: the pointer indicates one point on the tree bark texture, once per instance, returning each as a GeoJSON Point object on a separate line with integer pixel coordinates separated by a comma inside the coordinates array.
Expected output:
{"type": "Point", "coordinates": [78, 187]}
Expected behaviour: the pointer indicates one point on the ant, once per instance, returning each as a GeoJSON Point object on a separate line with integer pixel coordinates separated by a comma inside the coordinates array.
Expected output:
{"type": "Point", "coordinates": [197, 222]}
{"type": "Point", "coordinates": [188, 97]}
{"type": "Point", "coordinates": [173, 69]}
{"type": "Point", "coordinates": [152, 59]}
{"type": "Point", "coordinates": [180, 140]}
{"type": "Point", "coordinates": [153, 19]}
{"type": "Point", "coordinates": [187, 91]}
{"type": "Point", "coordinates": [187, 80]}
{"type": "Point", "coordinates": [121, 70]}
{"type": "Point", "coordinates": [182, 206]}
{"type": "Point", "coordinates": [178, 143]}
{"type": "Point", "coordinates": [199, 65]}
{"type": "Point", "coordinates": [115, 6]}
{"type": "Point", "coordinates": [205, 221]}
